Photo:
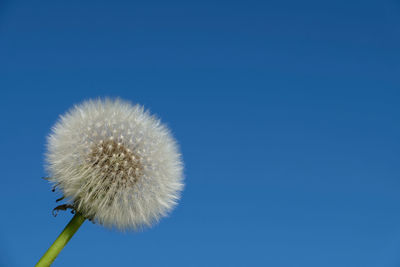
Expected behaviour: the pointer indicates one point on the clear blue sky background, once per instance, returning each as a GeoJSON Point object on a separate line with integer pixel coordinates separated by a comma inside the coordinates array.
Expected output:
{"type": "Point", "coordinates": [287, 113]}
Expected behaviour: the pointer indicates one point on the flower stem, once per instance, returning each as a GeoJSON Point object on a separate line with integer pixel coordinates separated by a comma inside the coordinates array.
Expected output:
{"type": "Point", "coordinates": [61, 241]}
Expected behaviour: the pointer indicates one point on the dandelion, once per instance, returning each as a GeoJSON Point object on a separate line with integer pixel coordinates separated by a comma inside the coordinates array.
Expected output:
{"type": "Point", "coordinates": [115, 164]}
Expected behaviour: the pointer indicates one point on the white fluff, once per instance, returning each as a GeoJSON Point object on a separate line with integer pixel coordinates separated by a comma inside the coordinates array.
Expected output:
{"type": "Point", "coordinates": [115, 163]}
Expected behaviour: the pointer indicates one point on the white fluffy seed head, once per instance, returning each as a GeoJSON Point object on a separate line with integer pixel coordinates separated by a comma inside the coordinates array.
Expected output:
{"type": "Point", "coordinates": [115, 163]}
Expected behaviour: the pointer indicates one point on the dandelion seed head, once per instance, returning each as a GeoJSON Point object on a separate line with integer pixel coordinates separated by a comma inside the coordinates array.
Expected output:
{"type": "Point", "coordinates": [116, 163]}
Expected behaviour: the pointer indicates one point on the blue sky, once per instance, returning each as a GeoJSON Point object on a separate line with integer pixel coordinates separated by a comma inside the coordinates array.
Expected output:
{"type": "Point", "coordinates": [287, 115]}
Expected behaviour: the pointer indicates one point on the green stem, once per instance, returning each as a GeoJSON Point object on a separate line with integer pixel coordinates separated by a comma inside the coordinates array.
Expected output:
{"type": "Point", "coordinates": [61, 241]}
